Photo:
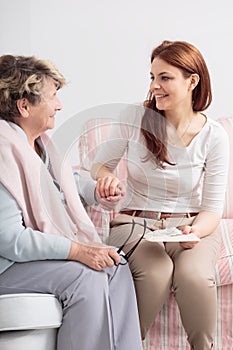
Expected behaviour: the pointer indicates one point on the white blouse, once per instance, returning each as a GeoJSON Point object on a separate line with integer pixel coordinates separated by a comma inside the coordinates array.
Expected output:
{"type": "Point", "coordinates": [196, 182]}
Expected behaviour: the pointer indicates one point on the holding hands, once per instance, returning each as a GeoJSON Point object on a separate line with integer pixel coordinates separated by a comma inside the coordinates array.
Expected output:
{"type": "Point", "coordinates": [109, 190]}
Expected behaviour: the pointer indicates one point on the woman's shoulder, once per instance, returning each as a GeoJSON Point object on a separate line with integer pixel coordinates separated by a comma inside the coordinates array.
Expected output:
{"type": "Point", "coordinates": [215, 126]}
{"type": "Point", "coordinates": [213, 122]}
{"type": "Point", "coordinates": [129, 121]}
{"type": "Point", "coordinates": [217, 131]}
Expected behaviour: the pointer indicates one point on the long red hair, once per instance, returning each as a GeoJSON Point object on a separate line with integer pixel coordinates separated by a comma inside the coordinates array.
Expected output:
{"type": "Point", "coordinates": [190, 61]}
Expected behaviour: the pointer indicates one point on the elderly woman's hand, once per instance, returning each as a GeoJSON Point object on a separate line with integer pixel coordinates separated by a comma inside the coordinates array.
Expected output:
{"type": "Point", "coordinates": [95, 255]}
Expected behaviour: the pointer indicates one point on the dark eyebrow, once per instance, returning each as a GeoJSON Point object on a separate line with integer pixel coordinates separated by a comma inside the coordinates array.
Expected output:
{"type": "Point", "coordinates": [164, 73]}
{"type": "Point", "coordinates": [160, 73]}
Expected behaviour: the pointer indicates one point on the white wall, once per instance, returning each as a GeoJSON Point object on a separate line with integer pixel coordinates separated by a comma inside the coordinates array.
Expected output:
{"type": "Point", "coordinates": [103, 46]}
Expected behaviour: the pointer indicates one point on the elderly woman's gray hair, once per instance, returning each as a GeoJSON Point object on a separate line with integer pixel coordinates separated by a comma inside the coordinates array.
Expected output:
{"type": "Point", "coordinates": [23, 77]}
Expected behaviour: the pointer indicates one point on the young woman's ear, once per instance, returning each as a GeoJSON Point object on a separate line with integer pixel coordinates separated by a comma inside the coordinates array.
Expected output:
{"type": "Point", "coordinates": [194, 80]}
{"type": "Point", "coordinates": [23, 107]}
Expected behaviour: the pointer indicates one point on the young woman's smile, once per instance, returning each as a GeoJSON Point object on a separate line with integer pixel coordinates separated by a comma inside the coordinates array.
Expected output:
{"type": "Point", "coordinates": [168, 86]}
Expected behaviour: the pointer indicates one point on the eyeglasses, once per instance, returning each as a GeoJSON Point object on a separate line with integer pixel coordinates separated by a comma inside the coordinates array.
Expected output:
{"type": "Point", "coordinates": [130, 252]}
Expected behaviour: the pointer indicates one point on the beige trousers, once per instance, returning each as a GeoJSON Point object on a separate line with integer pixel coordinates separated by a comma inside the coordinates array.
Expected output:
{"type": "Point", "coordinates": [159, 267]}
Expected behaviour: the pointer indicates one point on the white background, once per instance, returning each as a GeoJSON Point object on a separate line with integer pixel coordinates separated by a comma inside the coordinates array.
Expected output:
{"type": "Point", "coordinates": [103, 46]}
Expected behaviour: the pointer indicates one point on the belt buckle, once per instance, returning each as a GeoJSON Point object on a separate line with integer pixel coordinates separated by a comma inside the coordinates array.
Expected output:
{"type": "Point", "coordinates": [158, 217]}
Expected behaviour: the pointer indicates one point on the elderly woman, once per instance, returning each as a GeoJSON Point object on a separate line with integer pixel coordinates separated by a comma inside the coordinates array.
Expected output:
{"type": "Point", "coordinates": [47, 242]}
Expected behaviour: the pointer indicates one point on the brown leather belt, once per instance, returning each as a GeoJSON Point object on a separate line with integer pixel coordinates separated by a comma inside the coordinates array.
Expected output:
{"type": "Point", "coordinates": [156, 215]}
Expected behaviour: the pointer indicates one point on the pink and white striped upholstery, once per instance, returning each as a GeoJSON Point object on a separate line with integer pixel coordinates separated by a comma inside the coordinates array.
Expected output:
{"type": "Point", "coordinates": [167, 331]}
{"type": "Point", "coordinates": [227, 123]}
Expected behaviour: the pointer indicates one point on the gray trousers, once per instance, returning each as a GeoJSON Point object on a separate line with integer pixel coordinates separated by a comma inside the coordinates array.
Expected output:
{"type": "Point", "coordinates": [157, 268]}
{"type": "Point", "coordinates": [99, 308]}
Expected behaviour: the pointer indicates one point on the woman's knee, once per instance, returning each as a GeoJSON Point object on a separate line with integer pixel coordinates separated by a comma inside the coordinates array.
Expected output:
{"type": "Point", "coordinates": [80, 281]}
{"type": "Point", "coordinates": [191, 278]}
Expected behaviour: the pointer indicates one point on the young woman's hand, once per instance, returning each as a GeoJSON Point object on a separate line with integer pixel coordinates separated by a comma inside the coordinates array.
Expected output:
{"type": "Point", "coordinates": [98, 256]}
{"type": "Point", "coordinates": [186, 230]}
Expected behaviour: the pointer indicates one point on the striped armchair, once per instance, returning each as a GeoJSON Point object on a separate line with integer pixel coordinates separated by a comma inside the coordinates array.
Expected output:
{"type": "Point", "coordinates": [167, 331]}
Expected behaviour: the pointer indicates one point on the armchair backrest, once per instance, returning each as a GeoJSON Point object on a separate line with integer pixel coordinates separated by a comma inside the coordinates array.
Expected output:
{"type": "Point", "coordinates": [95, 132]}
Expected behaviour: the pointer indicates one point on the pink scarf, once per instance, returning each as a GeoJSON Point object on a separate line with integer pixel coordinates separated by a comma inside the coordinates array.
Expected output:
{"type": "Point", "coordinates": [26, 177]}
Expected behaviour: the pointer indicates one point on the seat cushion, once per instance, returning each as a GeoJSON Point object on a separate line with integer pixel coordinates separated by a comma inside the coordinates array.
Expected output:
{"type": "Point", "coordinates": [29, 311]}
{"type": "Point", "coordinates": [31, 339]}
